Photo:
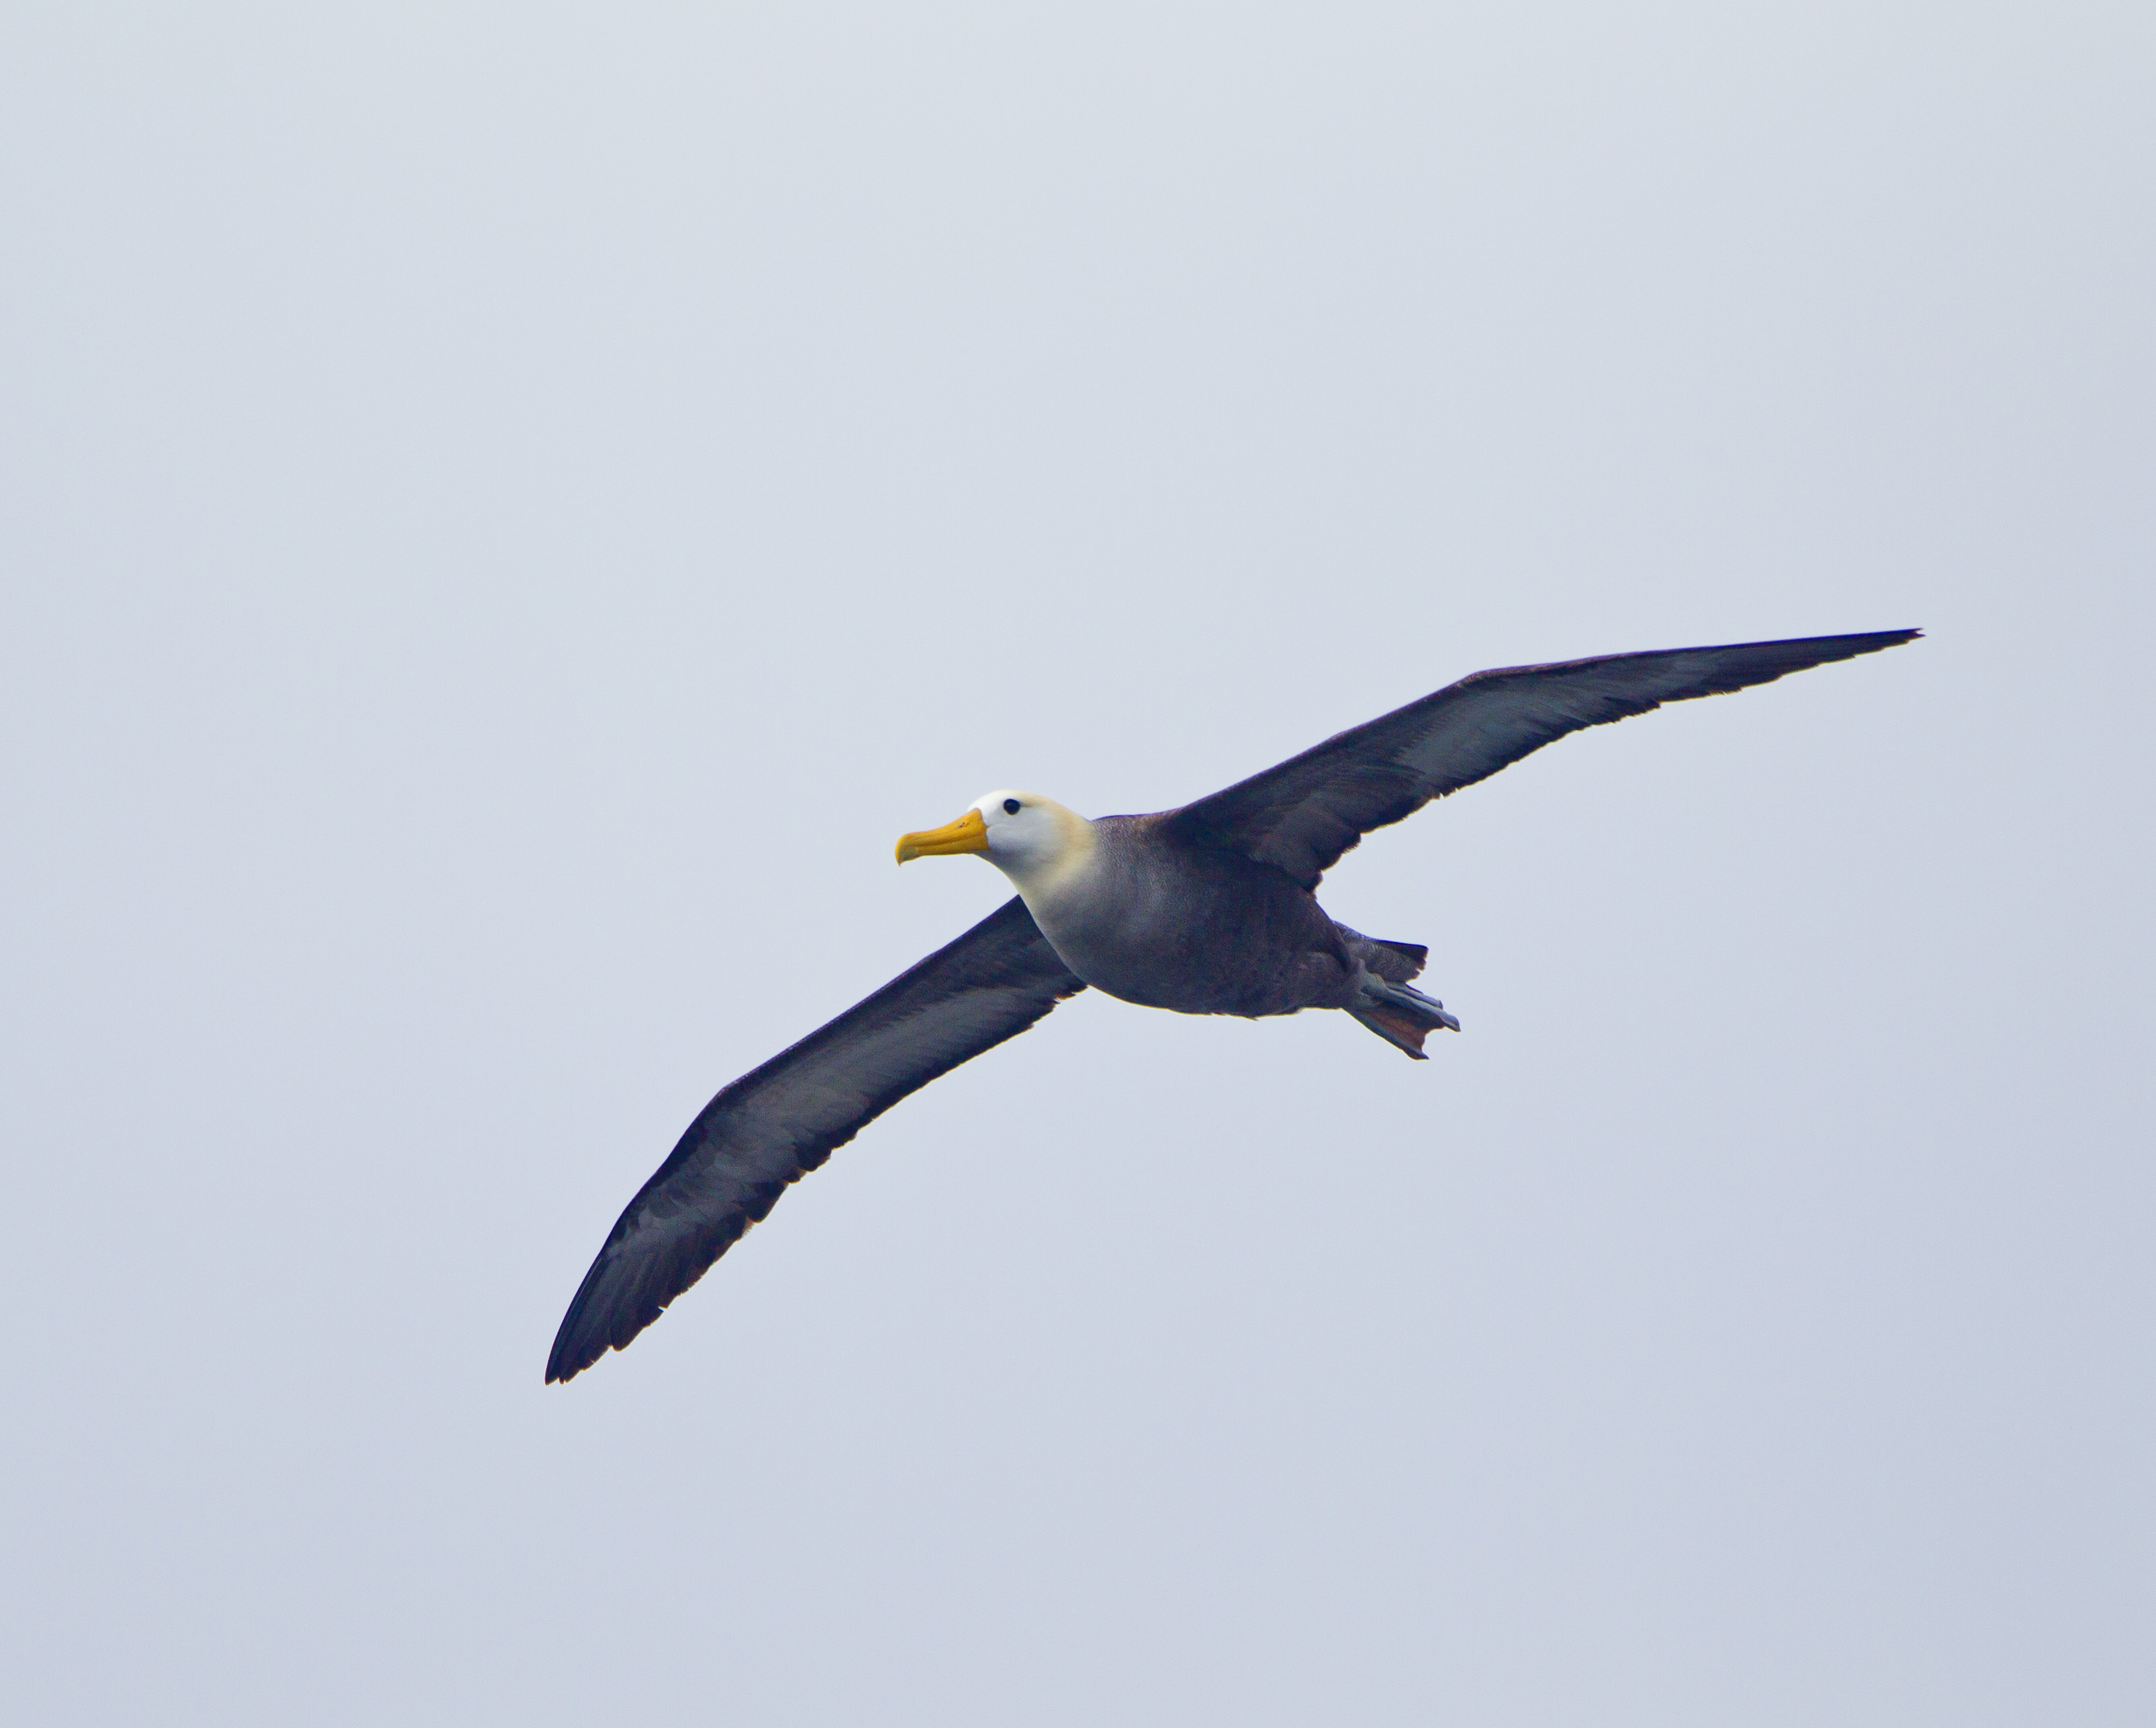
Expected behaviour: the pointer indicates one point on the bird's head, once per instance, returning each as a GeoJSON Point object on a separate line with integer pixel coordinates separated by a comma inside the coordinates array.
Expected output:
{"type": "Point", "coordinates": [1029, 838]}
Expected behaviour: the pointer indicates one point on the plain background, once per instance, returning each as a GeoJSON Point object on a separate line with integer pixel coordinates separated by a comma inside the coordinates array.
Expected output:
{"type": "Point", "coordinates": [505, 513]}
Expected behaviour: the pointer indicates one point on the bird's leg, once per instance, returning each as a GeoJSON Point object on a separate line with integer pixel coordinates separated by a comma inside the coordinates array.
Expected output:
{"type": "Point", "coordinates": [1409, 1002]}
{"type": "Point", "coordinates": [1400, 1014]}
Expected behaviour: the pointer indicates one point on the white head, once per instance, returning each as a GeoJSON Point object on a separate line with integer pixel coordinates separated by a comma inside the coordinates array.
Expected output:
{"type": "Point", "coordinates": [1031, 839]}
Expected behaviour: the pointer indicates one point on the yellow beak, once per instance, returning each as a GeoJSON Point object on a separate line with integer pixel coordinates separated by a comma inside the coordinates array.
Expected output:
{"type": "Point", "coordinates": [968, 834]}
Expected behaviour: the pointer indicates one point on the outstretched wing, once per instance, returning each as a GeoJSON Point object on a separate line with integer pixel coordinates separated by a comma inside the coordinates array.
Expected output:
{"type": "Point", "coordinates": [1301, 815]}
{"type": "Point", "coordinates": [772, 1127]}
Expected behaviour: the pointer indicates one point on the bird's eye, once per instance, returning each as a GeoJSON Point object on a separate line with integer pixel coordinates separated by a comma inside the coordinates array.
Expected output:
{"type": "Point", "coordinates": [1010, 806]}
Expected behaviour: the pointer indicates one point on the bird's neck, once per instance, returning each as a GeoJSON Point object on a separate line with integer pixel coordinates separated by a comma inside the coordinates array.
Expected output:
{"type": "Point", "coordinates": [1053, 874]}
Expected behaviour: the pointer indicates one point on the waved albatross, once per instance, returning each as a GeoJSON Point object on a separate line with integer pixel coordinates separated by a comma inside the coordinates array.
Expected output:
{"type": "Point", "coordinates": [1207, 909]}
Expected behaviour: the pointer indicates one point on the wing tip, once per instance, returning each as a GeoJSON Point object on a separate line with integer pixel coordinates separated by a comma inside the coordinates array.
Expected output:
{"type": "Point", "coordinates": [1849, 646]}
{"type": "Point", "coordinates": [577, 1348]}
{"type": "Point", "coordinates": [583, 1338]}
{"type": "Point", "coordinates": [570, 1357]}
{"type": "Point", "coordinates": [588, 1330]}
{"type": "Point", "coordinates": [564, 1364]}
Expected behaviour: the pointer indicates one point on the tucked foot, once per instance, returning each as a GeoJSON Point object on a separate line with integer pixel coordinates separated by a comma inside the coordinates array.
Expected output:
{"type": "Point", "coordinates": [1402, 1016]}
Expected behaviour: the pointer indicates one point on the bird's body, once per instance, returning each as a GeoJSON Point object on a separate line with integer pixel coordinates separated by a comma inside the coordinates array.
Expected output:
{"type": "Point", "coordinates": [1210, 908]}
{"type": "Point", "coordinates": [1165, 924]}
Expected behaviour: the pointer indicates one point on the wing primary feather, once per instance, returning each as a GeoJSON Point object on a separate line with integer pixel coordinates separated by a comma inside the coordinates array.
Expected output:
{"type": "Point", "coordinates": [780, 1121]}
{"type": "Point", "coordinates": [1301, 814]}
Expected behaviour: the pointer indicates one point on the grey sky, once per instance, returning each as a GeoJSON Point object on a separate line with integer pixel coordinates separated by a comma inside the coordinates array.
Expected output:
{"type": "Point", "coordinates": [506, 515]}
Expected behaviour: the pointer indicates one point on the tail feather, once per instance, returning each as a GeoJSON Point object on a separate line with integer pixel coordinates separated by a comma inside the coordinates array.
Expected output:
{"type": "Point", "coordinates": [1413, 952]}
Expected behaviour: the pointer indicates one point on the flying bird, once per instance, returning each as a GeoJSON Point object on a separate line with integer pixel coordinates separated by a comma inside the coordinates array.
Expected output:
{"type": "Point", "coordinates": [1207, 909]}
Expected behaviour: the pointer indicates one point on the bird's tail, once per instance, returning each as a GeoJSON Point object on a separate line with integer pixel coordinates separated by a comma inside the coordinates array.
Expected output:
{"type": "Point", "coordinates": [1395, 962]}
{"type": "Point", "coordinates": [1403, 1017]}
{"type": "Point", "coordinates": [1412, 953]}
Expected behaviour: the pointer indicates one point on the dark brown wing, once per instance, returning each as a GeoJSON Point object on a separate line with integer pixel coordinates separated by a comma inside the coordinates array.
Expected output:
{"type": "Point", "coordinates": [772, 1127]}
{"type": "Point", "coordinates": [1301, 815]}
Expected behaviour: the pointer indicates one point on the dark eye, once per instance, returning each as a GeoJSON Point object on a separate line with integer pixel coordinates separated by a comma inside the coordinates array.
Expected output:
{"type": "Point", "coordinates": [1010, 806]}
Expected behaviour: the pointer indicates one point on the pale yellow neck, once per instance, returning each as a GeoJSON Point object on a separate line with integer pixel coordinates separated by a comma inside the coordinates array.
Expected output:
{"type": "Point", "coordinates": [1043, 880]}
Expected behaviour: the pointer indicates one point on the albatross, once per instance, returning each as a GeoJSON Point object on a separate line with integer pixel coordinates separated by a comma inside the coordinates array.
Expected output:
{"type": "Point", "coordinates": [1210, 908]}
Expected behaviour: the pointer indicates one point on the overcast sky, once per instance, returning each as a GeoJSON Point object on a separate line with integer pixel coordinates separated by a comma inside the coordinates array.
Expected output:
{"type": "Point", "coordinates": [506, 514]}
